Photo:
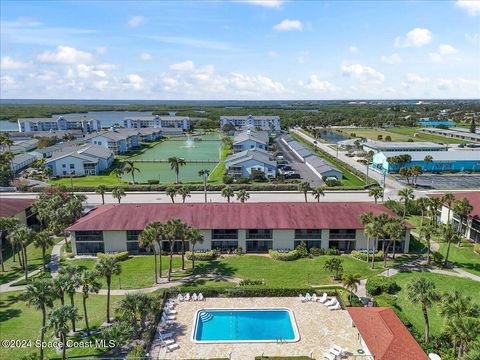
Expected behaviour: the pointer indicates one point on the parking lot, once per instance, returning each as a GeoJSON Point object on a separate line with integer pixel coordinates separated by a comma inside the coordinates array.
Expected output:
{"type": "Point", "coordinates": [305, 173]}
{"type": "Point", "coordinates": [446, 181]}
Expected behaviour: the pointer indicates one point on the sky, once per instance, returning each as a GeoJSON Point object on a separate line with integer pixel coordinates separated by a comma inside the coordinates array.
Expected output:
{"type": "Point", "coordinates": [240, 50]}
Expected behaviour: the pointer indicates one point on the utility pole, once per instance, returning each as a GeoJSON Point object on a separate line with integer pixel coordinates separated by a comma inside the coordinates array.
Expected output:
{"type": "Point", "coordinates": [366, 178]}
{"type": "Point", "coordinates": [384, 185]}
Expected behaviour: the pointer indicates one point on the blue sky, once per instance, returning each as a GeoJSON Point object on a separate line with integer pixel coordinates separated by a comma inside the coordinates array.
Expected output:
{"type": "Point", "coordinates": [240, 49]}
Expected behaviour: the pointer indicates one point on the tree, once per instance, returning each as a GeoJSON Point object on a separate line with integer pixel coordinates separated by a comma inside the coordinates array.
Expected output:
{"type": "Point", "coordinates": [334, 265]}
{"type": "Point", "coordinates": [58, 320]}
{"type": "Point", "coordinates": [47, 171]}
{"type": "Point", "coordinates": [376, 192]}
{"type": "Point", "coordinates": [117, 172]}
{"type": "Point", "coordinates": [43, 240]}
{"type": "Point", "coordinates": [415, 171]}
{"type": "Point", "coordinates": [6, 225]}
{"type": "Point", "coordinates": [227, 192]}
{"type": "Point", "coordinates": [422, 291]}
{"type": "Point", "coordinates": [89, 285]}
{"type": "Point", "coordinates": [60, 287]}
{"type": "Point", "coordinates": [365, 219]}
{"type": "Point", "coordinates": [318, 192]}
{"type": "Point", "coordinates": [350, 282]}
{"type": "Point", "coordinates": [204, 174]}
{"type": "Point", "coordinates": [422, 204]}
{"type": "Point", "coordinates": [243, 196]}
{"type": "Point", "coordinates": [184, 192]}
{"type": "Point", "coordinates": [118, 193]}
{"type": "Point", "coordinates": [473, 126]}
{"type": "Point", "coordinates": [175, 164]}
{"type": "Point", "coordinates": [463, 209]}
{"type": "Point", "coordinates": [108, 266]}
{"type": "Point", "coordinates": [118, 334]}
{"type": "Point", "coordinates": [449, 234]}
{"type": "Point", "coordinates": [172, 192]}
{"type": "Point", "coordinates": [39, 294]}
{"type": "Point", "coordinates": [406, 194]}
{"type": "Point", "coordinates": [21, 236]}
{"type": "Point", "coordinates": [72, 282]}
{"type": "Point", "coordinates": [427, 231]}
{"type": "Point", "coordinates": [154, 234]}
{"type": "Point", "coordinates": [448, 200]}
{"type": "Point", "coordinates": [395, 229]}
{"type": "Point", "coordinates": [174, 229]}
{"type": "Point", "coordinates": [304, 187]}
{"type": "Point", "coordinates": [135, 308]}
{"type": "Point", "coordinates": [194, 236]}
{"type": "Point", "coordinates": [428, 159]}
{"type": "Point", "coordinates": [434, 205]}
{"type": "Point", "coordinates": [130, 168]}
{"type": "Point", "coordinates": [101, 190]}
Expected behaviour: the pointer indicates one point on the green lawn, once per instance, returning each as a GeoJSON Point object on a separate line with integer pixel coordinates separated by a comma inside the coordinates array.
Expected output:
{"type": "Point", "coordinates": [464, 257]}
{"type": "Point", "coordinates": [18, 321]}
{"type": "Point", "coordinates": [443, 283]}
{"type": "Point", "coordinates": [219, 171]}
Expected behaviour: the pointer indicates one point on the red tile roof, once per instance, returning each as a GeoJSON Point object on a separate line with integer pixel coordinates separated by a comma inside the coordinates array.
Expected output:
{"type": "Point", "coordinates": [11, 207]}
{"type": "Point", "coordinates": [385, 335]}
{"type": "Point", "coordinates": [334, 215]}
{"type": "Point", "coordinates": [473, 197]}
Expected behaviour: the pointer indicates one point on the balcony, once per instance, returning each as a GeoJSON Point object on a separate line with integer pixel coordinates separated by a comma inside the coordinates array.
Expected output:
{"type": "Point", "coordinates": [344, 236]}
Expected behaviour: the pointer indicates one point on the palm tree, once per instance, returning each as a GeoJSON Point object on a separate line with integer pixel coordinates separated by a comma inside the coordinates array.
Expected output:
{"type": "Point", "coordinates": [153, 234]}
{"type": "Point", "coordinates": [243, 196]}
{"type": "Point", "coordinates": [135, 305]}
{"type": "Point", "coordinates": [428, 231]}
{"type": "Point", "coordinates": [427, 159]}
{"type": "Point", "coordinates": [172, 192]}
{"type": "Point", "coordinates": [376, 192]}
{"type": "Point", "coordinates": [174, 229]}
{"type": "Point", "coordinates": [350, 282]}
{"type": "Point", "coordinates": [204, 174]}
{"type": "Point", "coordinates": [118, 172]}
{"type": "Point", "coordinates": [21, 236]}
{"type": "Point", "coordinates": [305, 188]}
{"type": "Point", "coordinates": [39, 294]}
{"type": "Point", "coordinates": [43, 240]}
{"type": "Point", "coordinates": [463, 209]}
{"type": "Point", "coordinates": [434, 205]}
{"type": "Point", "coordinates": [89, 285]}
{"type": "Point", "coordinates": [58, 320]}
{"type": "Point", "coordinates": [72, 282]}
{"type": "Point", "coordinates": [227, 192]}
{"type": "Point", "coordinates": [130, 168]}
{"type": "Point", "coordinates": [101, 190]}
{"type": "Point", "coordinates": [448, 200]}
{"type": "Point", "coordinates": [118, 193]}
{"type": "Point", "coordinates": [406, 194]}
{"type": "Point", "coordinates": [318, 192]}
{"type": "Point", "coordinates": [467, 329]}
{"type": "Point", "coordinates": [395, 229]}
{"type": "Point", "coordinates": [423, 204]}
{"type": "Point", "coordinates": [60, 287]}
{"type": "Point", "coordinates": [422, 291]}
{"type": "Point", "coordinates": [47, 171]}
{"type": "Point", "coordinates": [108, 266]}
{"type": "Point", "coordinates": [175, 164]}
{"type": "Point", "coordinates": [449, 234]}
{"type": "Point", "coordinates": [366, 219]}
{"type": "Point", "coordinates": [184, 192]}
{"type": "Point", "coordinates": [6, 225]}
{"type": "Point", "coordinates": [334, 265]}
{"type": "Point", "coordinates": [194, 236]}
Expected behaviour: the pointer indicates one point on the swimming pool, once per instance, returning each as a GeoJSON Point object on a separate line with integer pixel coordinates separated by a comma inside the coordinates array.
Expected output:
{"type": "Point", "coordinates": [245, 325]}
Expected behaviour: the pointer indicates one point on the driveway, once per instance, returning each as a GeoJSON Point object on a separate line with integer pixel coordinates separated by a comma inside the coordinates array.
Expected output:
{"type": "Point", "coordinates": [446, 182]}
{"type": "Point", "coordinates": [305, 172]}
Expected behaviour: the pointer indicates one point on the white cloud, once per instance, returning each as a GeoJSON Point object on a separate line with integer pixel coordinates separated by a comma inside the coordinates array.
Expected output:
{"type": "Point", "coordinates": [391, 59]}
{"type": "Point", "coordinates": [272, 53]}
{"type": "Point", "coordinates": [7, 63]}
{"type": "Point", "coordinates": [145, 56]}
{"type": "Point", "coordinates": [263, 3]}
{"type": "Point", "coordinates": [289, 25]}
{"type": "Point", "coordinates": [134, 81]}
{"type": "Point", "coordinates": [65, 55]}
{"type": "Point", "coordinates": [473, 38]}
{"type": "Point", "coordinates": [183, 66]}
{"type": "Point", "coordinates": [7, 82]}
{"type": "Point", "coordinates": [303, 57]}
{"type": "Point", "coordinates": [471, 6]}
{"type": "Point", "coordinates": [417, 37]}
{"type": "Point", "coordinates": [192, 42]}
{"type": "Point", "coordinates": [135, 21]}
{"type": "Point", "coordinates": [435, 57]}
{"type": "Point", "coordinates": [446, 49]}
{"type": "Point", "coordinates": [362, 73]}
{"type": "Point", "coordinates": [353, 49]}
{"type": "Point", "coordinates": [106, 66]}
{"type": "Point", "coordinates": [314, 83]}
{"type": "Point", "coordinates": [412, 79]}
{"type": "Point", "coordinates": [444, 84]}
{"type": "Point", "coordinates": [101, 50]}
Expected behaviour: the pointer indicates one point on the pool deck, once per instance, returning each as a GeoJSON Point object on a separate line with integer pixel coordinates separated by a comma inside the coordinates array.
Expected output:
{"type": "Point", "coordinates": [319, 329]}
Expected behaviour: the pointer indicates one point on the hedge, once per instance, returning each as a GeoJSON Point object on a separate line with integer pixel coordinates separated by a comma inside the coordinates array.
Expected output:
{"type": "Point", "coordinates": [202, 256]}
{"type": "Point", "coordinates": [120, 256]}
{"type": "Point", "coordinates": [253, 292]}
{"type": "Point", "coordinates": [287, 256]}
{"type": "Point", "coordinates": [380, 284]}
{"type": "Point", "coordinates": [248, 282]}
{"type": "Point", "coordinates": [476, 248]}
{"type": "Point", "coordinates": [362, 256]}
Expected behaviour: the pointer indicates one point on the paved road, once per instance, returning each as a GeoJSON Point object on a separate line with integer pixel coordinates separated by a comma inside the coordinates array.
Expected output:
{"type": "Point", "coordinates": [461, 182]}
{"type": "Point", "coordinates": [305, 172]}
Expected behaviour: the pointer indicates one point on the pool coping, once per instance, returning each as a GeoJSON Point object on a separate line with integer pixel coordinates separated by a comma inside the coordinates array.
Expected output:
{"type": "Point", "coordinates": [291, 314]}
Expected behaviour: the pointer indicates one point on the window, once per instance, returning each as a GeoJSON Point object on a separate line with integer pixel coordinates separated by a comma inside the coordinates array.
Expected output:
{"type": "Point", "coordinates": [225, 234]}
{"type": "Point", "coordinates": [224, 245]}
{"type": "Point", "coordinates": [64, 165]}
{"type": "Point", "coordinates": [308, 243]}
{"type": "Point", "coordinates": [90, 248]}
{"type": "Point", "coordinates": [347, 234]}
{"type": "Point", "coordinates": [81, 236]}
{"type": "Point", "coordinates": [259, 234]}
{"type": "Point", "coordinates": [259, 246]}
{"type": "Point", "coordinates": [346, 246]}
{"type": "Point", "coordinates": [308, 234]}
{"type": "Point", "coordinates": [132, 235]}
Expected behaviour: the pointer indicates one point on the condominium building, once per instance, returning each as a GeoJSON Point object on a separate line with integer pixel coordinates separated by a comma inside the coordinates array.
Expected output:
{"type": "Point", "coordinates": [19, 209]}
{"type": "Point", "coordinates": [83, 123]}
{"type": "Point", "coordinates": [250, 139]}
{"type": "Point", "coordinates": [378, 146]}
{"type": "Point", "coordinates": [244, 162]}
{"type": "Point", "coordinates": [254, 227]}
{"type": "Point", "coordinates": [261, 122]}
{"type": "Point", "coordinates": [118, 141]}
{"type": "Point", "coordinates": [157, 121]}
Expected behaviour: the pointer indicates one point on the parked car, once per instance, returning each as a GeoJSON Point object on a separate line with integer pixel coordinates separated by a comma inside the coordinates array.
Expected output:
{"type": "Point", "coordinates": [282, 162]}
{"type": "Point", "coordinates": [285, 167]}
{"type": "Point", "coordinates": [294, 175]}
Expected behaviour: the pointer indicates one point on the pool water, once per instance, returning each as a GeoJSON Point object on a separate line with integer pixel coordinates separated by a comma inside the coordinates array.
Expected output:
{"type": "Point", "coordinates": [245, 325]}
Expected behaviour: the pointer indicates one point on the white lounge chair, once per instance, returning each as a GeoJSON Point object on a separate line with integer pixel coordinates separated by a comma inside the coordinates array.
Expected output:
{"type": "Point", "coordinates": [167, 342]}
{"type": "Point", "coordinates": [186, 297]}
{"type": "Point", "coordinates": [337, 350]}
{"type": "Point", "coordinates": [170, 348]}
{"type": "Point", "coordinates": [200, 297]}
{"type": "Point", "coordinates": [194, 297]}
{"type": "Point", "coordinates": [180, 297]}
{"type": "Point", "coordinates": [314, 297]}
{"type": "Point", "coordinates": [168, 317]}
{"type": "Point", "coordinates": [330, 302]}
{"type": "Point", "coordinates": [335, 307]}
{"type": "Point", "coordinates": [329, 356]}
{"type": "Point", "coordinates": [301, 298]}
{"type": "Point", "coordinates": [167, 322]}
{"type": "Point", "coordinates": [165, 335]}
{"type": "Point", "coordinates": [323, 298]}
{"type": "Point", "coordinates": [308, 297]}
{"type": "Point", "coordinates": [170, 311]}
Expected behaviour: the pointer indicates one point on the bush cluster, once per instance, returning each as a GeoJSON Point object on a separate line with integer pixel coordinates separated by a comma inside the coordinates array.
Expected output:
{"type": "Point", "coordinates": [120, 256]}
{"type": "Point", "coordinates": [248, 282]}
{"type": "Point", "coordinates": [380, 284]}
{"type": "Point", "coordinates": [362, 256]}
{"type": "Point", "coordinates": [287, 256]}
{"type": "Point", "coordinates": [476, 248]}
{"type": "Point", "coordinates": [202, 256]}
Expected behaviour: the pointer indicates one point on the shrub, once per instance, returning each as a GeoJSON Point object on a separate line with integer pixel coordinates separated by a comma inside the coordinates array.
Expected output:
{"type": "Point", "coordinates": [153, 181]}
{"type": "Point", "coordinates": [258, 176]}
{"type": "Point", "coordinates": [239, 251]}
{"type": "Point", "coordinates": [288, 256]}
{"type": "Point", "coordinates": [137, 352]}
{"type": "Point", "coordinates": [202, 256]}
{"type": "Point", "coordinates": [120, 256]}
{"type": "Point", "coordinates": [437, 258]}
{"type": "Point", "coordinates": [248, 282]}
{"type": "Point", "coordinates": [332, 251]}
{"type": "Point", "coordinates": [243, 180]}
{"type": "Point", "coordinates": [317, 251]}
{"type": "Point", "coordinates": [380, 284]}
{"type": "Point", "coordinates": [476, 248]}
{"type": "Point", "coordinates": [302, 250]}
{"type": "Point", "coordinates": [333, 182]}
{"type": "Point", "coordinates": [227, 179]}
{"type": "Point", "coordinates": [362, 256]}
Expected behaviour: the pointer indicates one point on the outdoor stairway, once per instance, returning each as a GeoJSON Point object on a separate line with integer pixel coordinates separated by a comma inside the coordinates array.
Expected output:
{"type": "Point", "coordinates": [205, 316]}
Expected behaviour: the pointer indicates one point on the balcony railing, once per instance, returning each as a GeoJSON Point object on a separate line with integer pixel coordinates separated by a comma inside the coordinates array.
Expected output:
{"type": "Point", "coordinates": [259, 236]}
{"type": "Point", "coordinates": [342, 237]}
{"type": "Point", "coordinates": [224, 237]}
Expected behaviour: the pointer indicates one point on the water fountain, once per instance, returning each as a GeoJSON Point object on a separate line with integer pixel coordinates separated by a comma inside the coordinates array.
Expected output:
{"type": "Point", "coordinates": [189, 142]}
